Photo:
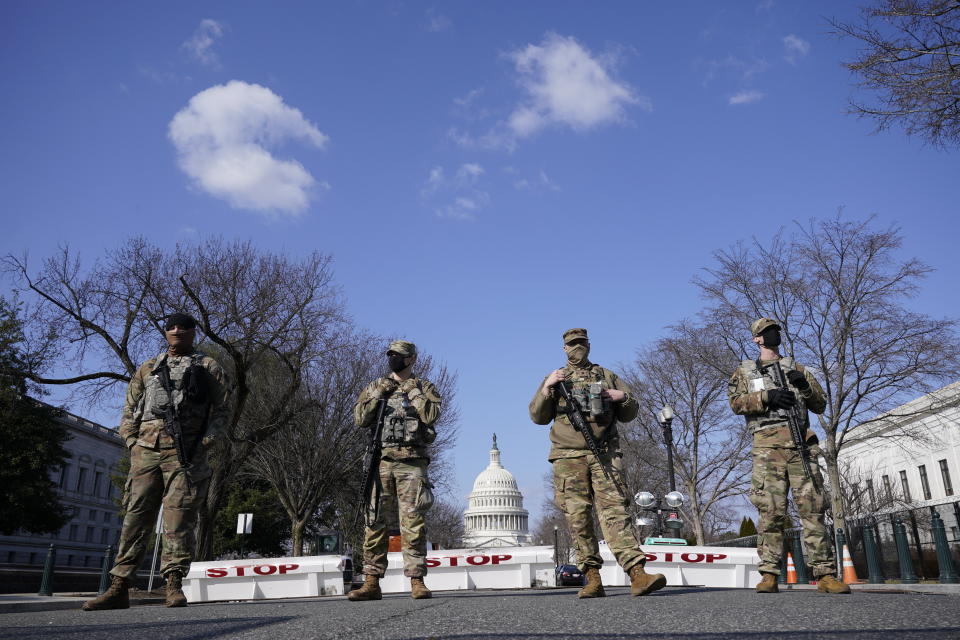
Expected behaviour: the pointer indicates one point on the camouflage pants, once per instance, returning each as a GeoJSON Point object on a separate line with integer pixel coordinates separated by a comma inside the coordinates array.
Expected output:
{"type": "Point", "coordinates": [775, 470]}
{"type": "Point", "coordinates": [407, 494]}
{"type": "Point", "coordinates": [156, 476]}
{"type": "Point", "coordinates": [578, 484]}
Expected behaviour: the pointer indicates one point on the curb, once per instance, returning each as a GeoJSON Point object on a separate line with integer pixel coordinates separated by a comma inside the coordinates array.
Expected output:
{"type": "Point", "coordinates": [60, 604]}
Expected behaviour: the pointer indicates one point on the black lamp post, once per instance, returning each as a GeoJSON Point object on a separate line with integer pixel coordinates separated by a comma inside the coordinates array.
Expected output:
{"type": "Point", "coordinates": [665, 418]}
{"type": "Point", "coordinates": [556, 550]}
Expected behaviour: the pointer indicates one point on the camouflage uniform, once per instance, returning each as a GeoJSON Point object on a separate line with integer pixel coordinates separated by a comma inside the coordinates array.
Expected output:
{"type": "Point", "coordinates": [412, 410]}
{"type": "Point", "coordinates": [777, 466]}
{"type": "Point", "coordinates": [155, 472]}
{"type": "Point", "coordinates": [578, 479]}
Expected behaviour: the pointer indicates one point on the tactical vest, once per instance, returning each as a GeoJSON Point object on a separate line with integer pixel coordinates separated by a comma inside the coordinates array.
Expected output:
{"type": "Point", "coordinates": [585, 387]}
{"type": "Point", "coordinates": [762, 380]}
{"type": "Point", "coordinates": [156, 399]}
{"type": "Point", "coordinates": [401, 423]}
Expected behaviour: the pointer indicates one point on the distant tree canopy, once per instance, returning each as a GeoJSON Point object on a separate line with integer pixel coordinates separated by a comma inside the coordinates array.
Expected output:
{"type": "Point", "coordinates": [31, 442]}
{"type": "Point", "coordinates": [911, 62]}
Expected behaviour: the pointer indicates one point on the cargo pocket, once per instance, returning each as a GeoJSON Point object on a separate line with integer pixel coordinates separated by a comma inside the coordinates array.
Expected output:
{"type": "Point", "coordinates": [558, 494]}
{"type": "Point", "coordinates": [424, 496]}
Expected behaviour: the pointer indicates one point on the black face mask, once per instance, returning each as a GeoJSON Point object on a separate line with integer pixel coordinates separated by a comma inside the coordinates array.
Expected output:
{"type": "Point", "coordinates": [397, 362]}
{"type": "Point", "coordinates": [771, 337]}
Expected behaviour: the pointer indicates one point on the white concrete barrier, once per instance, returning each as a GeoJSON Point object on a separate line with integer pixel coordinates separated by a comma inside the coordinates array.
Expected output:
{"type": "Point", "coordinates": [489, 568]}
{"type": "Point", "coordinates": [707, 566]}
{"type": "Point", "coordinates": [264, 578]}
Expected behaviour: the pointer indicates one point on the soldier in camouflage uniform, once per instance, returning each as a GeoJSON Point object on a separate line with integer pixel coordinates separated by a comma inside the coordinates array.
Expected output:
{"type": "Point", "coordinates": [200, 393]}
{"type": "Point", "coordinates": [579, 481]}
{"type": "Point", "coordinates": [777, 466]}
{"type": "Point", "coordinates": [413, 407]}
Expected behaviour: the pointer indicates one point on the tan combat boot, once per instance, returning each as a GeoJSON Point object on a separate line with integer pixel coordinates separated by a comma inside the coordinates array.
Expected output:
{"type": "Point", "coordinates": [418, 590]}
{"type": "Point", "coordinates": [829, 584]}
{"type": "Point", "coordinates": [643, 583]}
{"type": "Point", "coordinates": [369, 591]}
{"type": "Point", "coordinates": [768, 583]}
{"type": "Point", "coordinates": [594, 587]}
{"type": "Point", "coordinates": [175, 597]}
{"type": "Point", "coordinates": [117, 596]}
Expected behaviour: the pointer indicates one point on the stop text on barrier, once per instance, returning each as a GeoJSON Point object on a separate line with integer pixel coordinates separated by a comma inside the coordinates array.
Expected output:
{"type": "Point", "coordinates": [251, 570]}
{"type": "Point", "coordinates": [672, 556]}
{"type": "Point", "coordinates": [459, 561]}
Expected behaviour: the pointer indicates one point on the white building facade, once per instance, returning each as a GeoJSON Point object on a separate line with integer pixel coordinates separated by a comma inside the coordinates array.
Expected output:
{"type": "Point", "coordinates": [910, 458]}
{"type": "Point", "coordinates": [495, 517]}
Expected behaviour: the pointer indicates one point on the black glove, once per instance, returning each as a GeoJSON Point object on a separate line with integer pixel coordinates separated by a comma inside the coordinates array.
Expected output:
{"type": "Point", "coordinates": [781, 398]}
{"type": "Point", "coordinates": [798, 380]}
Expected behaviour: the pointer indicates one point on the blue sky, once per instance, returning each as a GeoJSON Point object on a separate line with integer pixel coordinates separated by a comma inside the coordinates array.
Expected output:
{"type": "Point", "coordinates": [486, 174]}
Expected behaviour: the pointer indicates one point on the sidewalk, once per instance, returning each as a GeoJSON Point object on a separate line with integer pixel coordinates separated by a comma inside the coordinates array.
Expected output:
{"type": "Point", "coordinates": [27, 602]}
{"type": "Point", "coordinates": [939, 589]}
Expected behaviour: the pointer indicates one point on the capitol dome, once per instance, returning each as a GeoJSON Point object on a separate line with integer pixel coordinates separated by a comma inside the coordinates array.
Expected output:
{"type": "Point", "coordinates": [496, 517]}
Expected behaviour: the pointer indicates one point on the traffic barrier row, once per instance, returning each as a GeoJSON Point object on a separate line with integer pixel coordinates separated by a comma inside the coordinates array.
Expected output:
{"type": "Point", "coordinates": [459, 569]}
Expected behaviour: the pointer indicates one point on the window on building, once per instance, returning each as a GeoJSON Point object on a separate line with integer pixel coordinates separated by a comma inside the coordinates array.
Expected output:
{"type": "Point", "coordinates": [871, 495]}
{"type": "Point", "coordinates": [69, 561]}
{"type": "Point", "coordinates": [945, 474]}
{"type": "Point", "coordinates": [33, 555]}
{"type": "Point", "coordinates": [89, 537]}
{"type": "Point", "coordinates": [74, 531]}
{"type": "Point", "coordinates": [887, 489]}
{"type": "Point", "coordinates": [81, 480]}
{"type": "Point", "coordinates": [93, 515]}
{"type": "Point", "coordinates": [104, 535]}
{"type": "Point", "coordinates": [11, 556]}
{"type": "Point", "coordinates": [97, 479]}
{"type": "Point", "coordinates": [906, 486]}
{"type": "Point", "coordinates": [106, 517]}
{"type": "Point", "coordinates": [64, 472]}
{"type": "Point", "coordinates": [953, 530]}
{"type": "Point", "coordinates": [924, 481]}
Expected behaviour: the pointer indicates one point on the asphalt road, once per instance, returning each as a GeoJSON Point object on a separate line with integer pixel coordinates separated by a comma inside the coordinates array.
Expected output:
{"type": "Point", "coordinates": [688, 613]}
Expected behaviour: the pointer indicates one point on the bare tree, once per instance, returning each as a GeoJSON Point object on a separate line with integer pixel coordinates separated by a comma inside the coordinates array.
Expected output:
{"type": "Point", "coordinates": [911, 60]}
{"type": "Point", "coordinates": [311, 461]}
{"type": "Point", "coordinates": [444, 522]}
{"type": "Point", "coordinates": [687, 371]}
{"type": "Point", "coordinates": [253, 308]}
{"type": "Point", "coordinates": [842, 295]}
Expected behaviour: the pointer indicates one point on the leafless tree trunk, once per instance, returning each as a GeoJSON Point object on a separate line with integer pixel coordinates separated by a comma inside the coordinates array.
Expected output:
{"type": "Point", "coordinates": [711, 447]}
{"type": "Point", "coordinates": [912, 62]}
{"type": "Point", "coordinates": [842, 294]}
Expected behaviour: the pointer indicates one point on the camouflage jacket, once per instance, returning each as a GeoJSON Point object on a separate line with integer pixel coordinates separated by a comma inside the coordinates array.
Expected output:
{"type": "Point", "coordinates": [747, 392]}
{"type": "Point", "coordinates": [567, 441]}
{"type": "Point", "coordinates": [425, 401]}
{"type": "Point", "coordinates": [139, 425]}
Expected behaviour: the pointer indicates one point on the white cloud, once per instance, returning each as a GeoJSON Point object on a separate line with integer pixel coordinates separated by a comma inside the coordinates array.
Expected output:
{"type": "Point", "coordinates": [463, 188]}
{"type": "Point", "coordinates": [222, 138]}
{"type": "Point", "coordinates": [567, 85]}
{"type": "Point", "coordinates": [795, 48]}
{"type": "Point", "coordinates": [200, 45]}
{"type": "Point", "coordinates": [542, 181]}
{"type": "Point", "coordinates": [746, 97]}
{"type": "Point", "coordinates": [437, 22]}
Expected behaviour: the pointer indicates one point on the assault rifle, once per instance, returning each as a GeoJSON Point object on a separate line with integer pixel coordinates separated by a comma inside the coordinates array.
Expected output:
{"type": "Point", "coordinates": [796, 421]}
{"type": "Point", "coordinates": [371, 468]}
{"type": "Point", "coordinates": [171, 420]}
{"type": "Point", "coordinates": [575, 416]}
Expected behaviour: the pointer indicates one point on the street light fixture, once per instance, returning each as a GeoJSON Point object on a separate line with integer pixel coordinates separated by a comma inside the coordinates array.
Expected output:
{"type": "Point", "coordinates": [674, 500]}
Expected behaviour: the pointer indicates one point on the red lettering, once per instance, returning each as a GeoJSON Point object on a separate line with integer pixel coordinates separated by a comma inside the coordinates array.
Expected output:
{"type": "Point", "coordinates": [475, 560]}
{"type": "Point", "coordinates": [692, 557]}
{"type": "Point", "coordinates": [433, 562]}
{"type": "Point", "coordinates": [240, 570]}
{"type": "Point", "coordinates": [715, 556]}
{"type": "Point", "coordinates": [288, 567]}
{"type": "Point", "coordinates": [264, 569]}
{"type": "Point", "coordinates": [668, 556]}
{"type": "Point", "coordinates": [216, 573]}
{"type": "Point", "coordinates": [453, 560]}
{"type": "Point", "coordinates": [651, 557]}
{"type": "Point", "coordinates": [497, 559]}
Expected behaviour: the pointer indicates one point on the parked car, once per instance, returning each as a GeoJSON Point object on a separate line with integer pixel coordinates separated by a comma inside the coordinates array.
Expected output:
{"type": "Point", "coordinates": [569, 575]}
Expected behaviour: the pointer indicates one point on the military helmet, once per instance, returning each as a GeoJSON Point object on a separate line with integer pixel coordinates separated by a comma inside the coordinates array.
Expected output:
{"type": "Point", "coordinates": [762, 324]}
{"type": "Point", "coordinates": [402, 347]}
{"type": "Point", "coordinates": [574, 334]}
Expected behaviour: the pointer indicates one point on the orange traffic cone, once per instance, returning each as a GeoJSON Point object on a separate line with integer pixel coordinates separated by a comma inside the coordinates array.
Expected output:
{"type": "Point", "coordinates": [791, 570]}
{"type": "Point", "coordinates": [849, 572]}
